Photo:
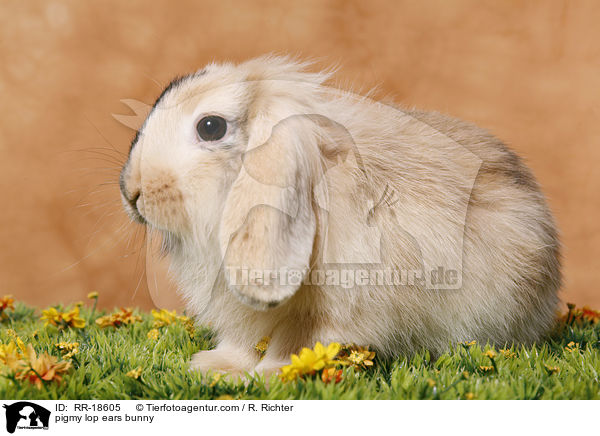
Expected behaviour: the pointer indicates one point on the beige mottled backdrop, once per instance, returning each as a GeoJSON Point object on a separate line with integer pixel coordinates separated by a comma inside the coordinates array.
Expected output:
{"type": "Point", "coordinates": [528, 71]}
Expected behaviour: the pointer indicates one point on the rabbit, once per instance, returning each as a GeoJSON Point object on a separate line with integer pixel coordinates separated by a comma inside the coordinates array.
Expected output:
{"type": "Point", "coordinates": [262, 179]}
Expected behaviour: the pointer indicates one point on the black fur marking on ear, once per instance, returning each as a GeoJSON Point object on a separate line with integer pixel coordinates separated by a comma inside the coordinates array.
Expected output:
{"type": "Point", "coordinates": [174, 83]}
{"type": "Point", "coordinates": [134, 140]}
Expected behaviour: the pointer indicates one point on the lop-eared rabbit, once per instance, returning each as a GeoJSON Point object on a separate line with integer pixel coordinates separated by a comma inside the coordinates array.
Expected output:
{"type": "Point", "coordinates": [271, 190]}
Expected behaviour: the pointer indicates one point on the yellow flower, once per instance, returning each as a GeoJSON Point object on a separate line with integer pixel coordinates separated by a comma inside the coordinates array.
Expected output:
{"type": "Point", "coordinates": [189, 325]}
{"type": "Point", "coordinates": [105, 321]}
{"type": "Point", "coordinates": [508, 354]}
{"type": "Point", "coordinates": [490, 353]}
{"type": "Point", "coordinates": [135, 373]}
{"type": "Point", "coordinates": [73, 319]}
{"type": "Point", "coordinates": [355, 356]}
{"type": "Point", "coordinates": [153, 334]}
{"type": "Point", "coordinates": [290, 373]}
{"type": "Point", "coordinates": [262, 346]}
{"type": "Point", "coordinates": [93, 295]}
{"type": "Point", "coordinates": [572, 347]}
{"type": "Point", "coordinates": [39, 369]}
{"type": "Point", "coordinates": [163, 317]}
{"type": "Point", "coordinates": [486, 368]}
{"type": "Point", "coordinates": [469, 396]}
{"type": "Point", "coordinates": [51, 316]}
{"type": "Point", "coordinates": [326, 354]}
{"type": "Point", "coordinates": [468, 344]}
{"type": "Point", "coordinates": [16, 339]}
{"type": "Point", "coordinates": [63, 319]}
{"type": "Point", "coordinates": [308, 361]}
{"type": "Point", "coordinates": [552, 369]}
{"type": "Point", "coordinates": [362, 357]}
{"type": "Point", "coordinates": [431, 382]}
{"type": "Point", "coordinates": [12, 352]}
{"type": "Point", "coordinates": [67, 349]}
{"type": "Point", "coordinates": [119, 318]}
{"type": "Point", "coordinates": [215, 379]}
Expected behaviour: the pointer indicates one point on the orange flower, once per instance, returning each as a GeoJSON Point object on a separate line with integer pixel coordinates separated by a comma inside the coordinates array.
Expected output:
{"type": "Point", "coordinates": [585, 314]}
{"type": "Point", "coordinates": [590, 315]}
{"type": "Point", "coordinates": [119, 318]}
{"type": "Point", "coordinates": [39, 369]}
{"type": "Point", "coordinates": [22, 362]}
{"type": "Point", "coordinates": [331, 374]}
{"type": "Point", "coordinates": [6, 302]}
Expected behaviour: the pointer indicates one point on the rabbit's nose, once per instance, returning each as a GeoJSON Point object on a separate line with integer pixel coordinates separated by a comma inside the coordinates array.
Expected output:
{"type": "Point", "coordinates": [132, 200]}
{"type": "Point", "coordinates": [131, 193]}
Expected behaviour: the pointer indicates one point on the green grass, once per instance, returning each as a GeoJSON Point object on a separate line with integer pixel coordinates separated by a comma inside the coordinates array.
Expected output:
{"type": "Point", "coordinates": [106, 355]}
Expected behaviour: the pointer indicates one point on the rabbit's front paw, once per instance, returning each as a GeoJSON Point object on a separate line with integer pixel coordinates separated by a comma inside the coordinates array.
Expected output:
{"type": "Point", "coordinates": [267, 367]}
{"type": "Point", "coordinates": [223, 360]}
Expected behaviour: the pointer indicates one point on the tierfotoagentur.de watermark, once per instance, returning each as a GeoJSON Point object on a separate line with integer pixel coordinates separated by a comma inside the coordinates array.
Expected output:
{"type": "Point", "coordinates": [347, 278]}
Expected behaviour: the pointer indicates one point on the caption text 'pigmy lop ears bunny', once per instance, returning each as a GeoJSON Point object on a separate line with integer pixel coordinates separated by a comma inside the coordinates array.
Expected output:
{"type": "Point", "coordinates": [297, 211]}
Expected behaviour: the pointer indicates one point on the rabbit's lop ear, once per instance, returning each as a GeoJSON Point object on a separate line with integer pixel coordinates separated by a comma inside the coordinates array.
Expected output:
{"type": "Point", "coordinates": [268, 225]}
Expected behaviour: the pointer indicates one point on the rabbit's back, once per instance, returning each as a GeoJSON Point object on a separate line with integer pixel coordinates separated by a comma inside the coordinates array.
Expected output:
{"type": "Point", "coordinates": [463, 200]}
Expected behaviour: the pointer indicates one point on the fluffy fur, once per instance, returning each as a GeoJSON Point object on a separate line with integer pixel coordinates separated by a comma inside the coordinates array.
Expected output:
{"type": "Point", "coordinates": [300, 171]}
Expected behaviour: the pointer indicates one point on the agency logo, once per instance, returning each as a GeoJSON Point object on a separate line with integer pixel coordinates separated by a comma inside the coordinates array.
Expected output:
{"type": "Point", "coordinates": [26, 415]}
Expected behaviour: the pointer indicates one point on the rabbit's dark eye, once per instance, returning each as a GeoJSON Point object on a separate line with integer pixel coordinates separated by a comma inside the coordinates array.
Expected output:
{"type": "Point", "coordinates": [211, 128]}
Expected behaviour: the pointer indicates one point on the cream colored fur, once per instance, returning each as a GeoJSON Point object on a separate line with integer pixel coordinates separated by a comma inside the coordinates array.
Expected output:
{"type": "Point", "coordinates": [299, 172]}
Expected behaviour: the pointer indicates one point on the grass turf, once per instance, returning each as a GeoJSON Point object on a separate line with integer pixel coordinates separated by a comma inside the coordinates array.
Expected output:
{"type": "Point", "coordinates": [551, 370]}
